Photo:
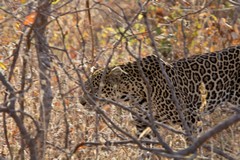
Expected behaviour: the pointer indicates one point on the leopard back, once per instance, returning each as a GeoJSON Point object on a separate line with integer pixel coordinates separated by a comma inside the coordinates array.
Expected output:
{"type": "Point", "coordinates": [142, 82]}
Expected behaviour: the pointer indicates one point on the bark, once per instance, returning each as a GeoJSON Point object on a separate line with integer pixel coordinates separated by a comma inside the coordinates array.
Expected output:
{"type": "Point", "coordinates": [44, 73]}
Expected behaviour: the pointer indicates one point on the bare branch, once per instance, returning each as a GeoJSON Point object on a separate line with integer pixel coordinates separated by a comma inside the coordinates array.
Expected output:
{"type": "Point", "coordinates": [234, 3]}
{"type": "Point", "coordinates": [11, 111]}
{"type": "Point", "coordinates": [169, 83]}
{"type": "Point", "coordinates": [4, 109]}
{"type": "Point", "coordinates": [219, 152]}
{"type": "Point", "coordinates": [191, 13]}
{"type": "Point", "coordinates": [210, 133]}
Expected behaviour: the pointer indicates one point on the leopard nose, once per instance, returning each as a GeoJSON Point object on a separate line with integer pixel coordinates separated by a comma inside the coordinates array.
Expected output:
{"type": "Point", "coordinates": [82, 101]}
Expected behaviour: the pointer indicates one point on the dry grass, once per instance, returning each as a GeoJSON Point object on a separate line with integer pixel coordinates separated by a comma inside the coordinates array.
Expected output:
{"type": "Point", "coordinates": [71, 123]}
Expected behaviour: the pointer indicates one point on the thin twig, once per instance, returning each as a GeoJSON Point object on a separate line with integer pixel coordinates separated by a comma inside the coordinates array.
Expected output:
{"type": "Point", "coordinates": [91, 28]}
{"type": "Point", "coordinates": [191, 13]}
{"type": "Point", "coordinates": [185, 49]}
{"type": "Point", "coordinates": [210, 133]}
{"type": "Point", "coordinates": [234, 3]}
{"type": "Point", "coordinates": [11, 107]}
{"type": "Point", "coordinates": [149, 94]}
{"type": "Point", "coordinates": [169, 83]}
{"type": "Point", "coordinates": [67, 131]}
{"type": "Point", "coordinates": [219, 152]}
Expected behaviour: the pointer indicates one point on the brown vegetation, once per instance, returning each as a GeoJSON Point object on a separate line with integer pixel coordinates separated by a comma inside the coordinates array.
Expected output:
{"type": "Point", "coordinates": [47, 49]}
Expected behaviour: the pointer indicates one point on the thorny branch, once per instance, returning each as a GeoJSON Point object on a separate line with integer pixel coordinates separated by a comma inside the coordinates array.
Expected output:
{"type": "Point", "coordinates": [196, 144]}
{"type": "Point", "coordinates": [171, 87]}
{"type": "Point", "coordinates": [12, 94]}
{"type": "Point", "coordinates": [191, 13]}
{"type": "Point", "coordinates": [149, 94]}
{"type": "Point", "coordinates": [67, 130]}
{"type": "Point", "coordinates": [190, 150]}
{"type": "Point", "coordinates": [119, 129]}
{"type": "Point", "coordinates": [234, 3]}
{"type": "Point", "coordinates": [210, 133]}
{"type": "Point", "coordinates": [10, 109]}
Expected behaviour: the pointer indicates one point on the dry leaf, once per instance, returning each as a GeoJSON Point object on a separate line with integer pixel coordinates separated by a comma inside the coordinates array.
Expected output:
{"type": "Point", "coordinates": [3, 66]}
{"type": "Point", "coordinates": [30, 19]}
{"type": "Point", "coordinates": [55, 1]}
{"type": "Point", "coordinates": [23, 1]}
{"type": "Point", "coordinates": [145, 132]}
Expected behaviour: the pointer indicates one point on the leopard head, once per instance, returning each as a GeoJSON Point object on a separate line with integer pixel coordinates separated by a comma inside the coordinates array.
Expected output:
{"type": "Point", "coordinates": [110, 84]}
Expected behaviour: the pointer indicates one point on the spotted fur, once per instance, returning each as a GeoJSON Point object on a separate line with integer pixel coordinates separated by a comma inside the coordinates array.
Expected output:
{"type": "Point", "coordinates": [218, 71]}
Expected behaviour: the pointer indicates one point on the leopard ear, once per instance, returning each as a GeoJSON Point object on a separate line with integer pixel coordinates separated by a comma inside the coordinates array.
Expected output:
{"type": "Point", "coordinates": [117, 71]}
{"type": "Point", "coordinates": [93, 69]}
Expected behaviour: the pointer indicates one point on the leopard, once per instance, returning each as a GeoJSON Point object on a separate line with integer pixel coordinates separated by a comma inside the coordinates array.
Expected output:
{"type": "Point", "coordinates": [147, 86]}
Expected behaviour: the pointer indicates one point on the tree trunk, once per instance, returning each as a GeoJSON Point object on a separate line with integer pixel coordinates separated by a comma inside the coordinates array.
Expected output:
{"type": "Point", "coordinates": [44, 63]}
